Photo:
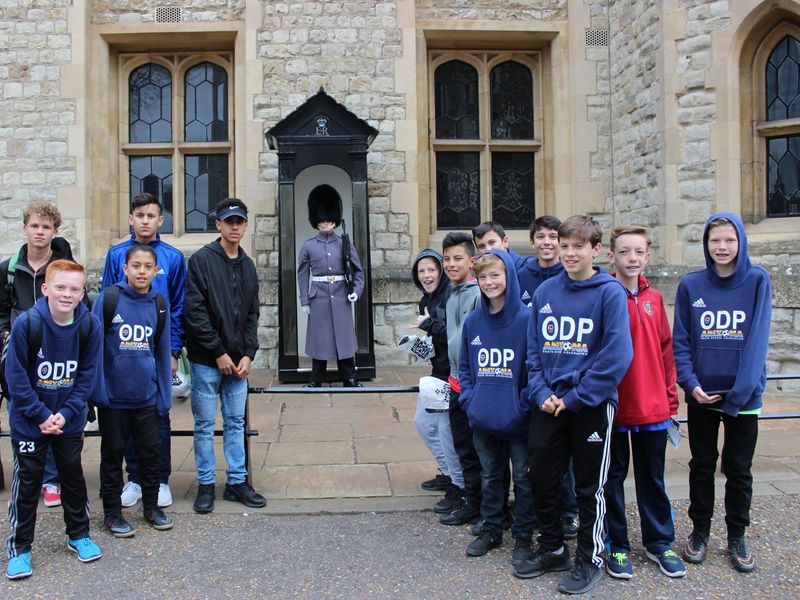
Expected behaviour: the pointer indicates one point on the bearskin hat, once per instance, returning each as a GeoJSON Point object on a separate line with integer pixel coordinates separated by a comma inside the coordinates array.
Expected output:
{"type": "Point", "coordinates": [324, 204]}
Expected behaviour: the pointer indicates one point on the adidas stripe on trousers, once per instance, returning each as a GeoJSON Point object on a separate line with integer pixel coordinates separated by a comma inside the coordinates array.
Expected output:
{"type": "Point", "coordinates": [26, 487]}
{"type": "Point", "coordinates": [584, 437]}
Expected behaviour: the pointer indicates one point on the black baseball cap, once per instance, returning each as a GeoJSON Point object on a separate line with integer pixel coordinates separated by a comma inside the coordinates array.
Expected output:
{"type": "Point", "coordinates": [231, 208]}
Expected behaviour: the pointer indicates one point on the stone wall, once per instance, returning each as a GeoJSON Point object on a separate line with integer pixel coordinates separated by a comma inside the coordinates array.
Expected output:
{"type": "Point", "coordinates": [104, 12]}
{"type": "Point", "coordinates": [696, 111]}
{"type": "Point", "coordinates": [34, 118]}
{"type": "Point", "coordinates": [510, 10]}
{"type": "Point", "coordinates": [637, 194]}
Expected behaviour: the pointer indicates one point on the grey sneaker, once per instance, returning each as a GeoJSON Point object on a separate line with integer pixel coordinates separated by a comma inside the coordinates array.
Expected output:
{"type": "Point", "coordinates": [696, 548]}
{"type": "Point", "coordinates": [581, 578]}
{"type": "Point", "coordinates": [542, 561]}
{"type": "Point", "coordinates": [116, 524]}
{"type": "Point", "coordinates": [741, 557]}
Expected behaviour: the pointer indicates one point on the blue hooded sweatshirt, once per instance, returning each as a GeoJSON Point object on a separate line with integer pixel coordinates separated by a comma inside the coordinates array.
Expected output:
{"type": "Point", "coordinates": [492, 370]}
{"type": "Point", "coordinates": [579, 341]}
{"type": "Point", "coordinates": [721, 330]}
{"type": "Point", "coordinates": [531, 276]}
{"type": "Point", "coordinates": [170, 281]}
{"type": "Point", "coordinates": [61, 378]}
{"type": "Point", "coordinates": [136, 368]}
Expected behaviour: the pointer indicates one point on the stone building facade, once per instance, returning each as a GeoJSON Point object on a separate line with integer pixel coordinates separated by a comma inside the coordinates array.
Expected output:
{"type": "Point", "coordinates": [645, 111]}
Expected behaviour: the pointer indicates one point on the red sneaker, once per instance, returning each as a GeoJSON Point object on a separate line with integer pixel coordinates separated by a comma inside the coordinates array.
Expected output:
{"type": "Point", "coordinates": [52, 495]}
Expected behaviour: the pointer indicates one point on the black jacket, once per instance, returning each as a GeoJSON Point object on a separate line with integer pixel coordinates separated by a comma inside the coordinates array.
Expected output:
{"type": "Point", "coordinates": [435, 304]}
{"type": "Point", "coordinates": [221, 306]}
{"type": "Point", "coordinates": [27, 288]}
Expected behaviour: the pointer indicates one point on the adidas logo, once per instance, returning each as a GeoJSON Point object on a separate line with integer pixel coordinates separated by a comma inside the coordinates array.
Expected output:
{"type": "Point", "coordinates": [40, 354]}
{"type": "Point", "coordinates": [161, 271]}
{"type": "Point", "coordinates": [118, 319]}
{"type": "Point", "coordinates": [594, 437]}
{"type": "Point", "coordinates": [546, 310]}
{"type": "Point", "coordinates": [476, 341]}
{"type": "Point", "coordinates": [525, 295]}
{"type": "Point", "coordinates": [699, 303]}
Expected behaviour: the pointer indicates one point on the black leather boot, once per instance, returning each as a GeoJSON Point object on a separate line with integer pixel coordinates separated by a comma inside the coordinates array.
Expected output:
{"type": "Point", "coordinates": [351, 383]}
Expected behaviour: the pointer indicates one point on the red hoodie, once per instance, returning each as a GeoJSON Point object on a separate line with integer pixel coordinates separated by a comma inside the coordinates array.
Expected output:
{"type": "Point", "coordinates": [648, 392]}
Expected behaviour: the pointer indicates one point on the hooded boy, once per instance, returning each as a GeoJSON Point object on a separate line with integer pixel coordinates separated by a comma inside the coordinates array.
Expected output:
{"type": "Point", "coordinates": [434, 427]}
{"type": "Point", "coordinates": [493, 375]}
{"type": "Point", "coordinates": [720, 338]}
{"type": "Point", "coordinates": [49, 389]}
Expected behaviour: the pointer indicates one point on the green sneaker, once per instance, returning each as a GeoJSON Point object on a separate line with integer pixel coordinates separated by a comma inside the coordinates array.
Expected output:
{"type": "Point", "coordinates": [619, 565]}
{"type": "Point", "coordinates": [669, 562]}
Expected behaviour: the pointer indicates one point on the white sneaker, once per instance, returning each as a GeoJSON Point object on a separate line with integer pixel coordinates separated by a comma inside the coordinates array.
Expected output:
{"type": "Point", "coordinates": [164, 495]}
{"type": "Point", "coordinates": [131, 494]}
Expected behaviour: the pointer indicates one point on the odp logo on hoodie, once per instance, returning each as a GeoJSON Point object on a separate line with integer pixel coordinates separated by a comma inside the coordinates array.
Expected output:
{"type": "Point", "coordinates": [722, 325]}
{"type": "Point", "coordinates": [134, 337]}
{"type": "Point", "coordinates": [495, 362]}
{"type": "Point", "coordinates": [563, 335]}
{"type": "Point", "coordinates": [55, 375]}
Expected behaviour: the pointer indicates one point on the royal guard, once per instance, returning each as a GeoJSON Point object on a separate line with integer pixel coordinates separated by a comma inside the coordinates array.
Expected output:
{"type": "Point", "coordinates": [330, 281]}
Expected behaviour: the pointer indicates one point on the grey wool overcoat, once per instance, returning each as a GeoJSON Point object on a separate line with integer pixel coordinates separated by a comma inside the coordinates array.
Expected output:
{"type": "Point", "coordinates": [330, 334]}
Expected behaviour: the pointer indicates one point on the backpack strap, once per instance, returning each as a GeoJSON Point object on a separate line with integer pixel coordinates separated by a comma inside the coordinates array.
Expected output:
{"type": "Point", "coordinates": [12, 267]}
{"type": "Point", "coordinates": [34, 333]}
{"type": "Point", "coordinates": [161, 318]}
{"type": "Point", "coordinates": [110, 300]}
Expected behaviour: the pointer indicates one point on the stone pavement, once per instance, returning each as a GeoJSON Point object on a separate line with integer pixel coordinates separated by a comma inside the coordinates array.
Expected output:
{"type": "Point", "coordinates": [343, 453]}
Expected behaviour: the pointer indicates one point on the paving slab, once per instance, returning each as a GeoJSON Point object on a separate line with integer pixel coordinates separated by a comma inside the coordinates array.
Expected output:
{"type": "Point", "coordinates": [386, 450]}
{"type": "Point", "coordinates": [298, 416]}
{"type": "Point", "coordinates": [315, 432]}
{"type": "Point", "coordinates": [323, 481]}
{"type": "Point", "coordinates": [393, 429]}
{"type": "Point", "coordinates": [405, 478]}
{"type": "Point", "coordinates": [311, 453]}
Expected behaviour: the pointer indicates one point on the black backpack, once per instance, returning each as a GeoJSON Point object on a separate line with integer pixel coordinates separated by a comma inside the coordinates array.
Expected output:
{"type": "Point", "coordinates": [34, 332]}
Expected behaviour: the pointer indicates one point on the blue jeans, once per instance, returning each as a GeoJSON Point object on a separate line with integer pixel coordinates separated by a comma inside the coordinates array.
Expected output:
{"type": "Point", "coordinates": [207, 383]}
{"type": "Point", "coordinates": [50, 470]}
{"type": "Point", "coordinates": [494, 460]}
{"type": "Point", "coordinates": [434, 429]}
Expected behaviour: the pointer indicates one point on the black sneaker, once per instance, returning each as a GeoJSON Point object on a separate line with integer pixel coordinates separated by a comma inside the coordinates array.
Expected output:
{"type": "Point", "coordinates": [542, 561]}
{"type": "Point", "coordinates": [569, 525]}
{"type": "Point", "coordinates": [440, 483]}
{"type": "Point", "coordinates": [464, 514]}
{"type": "Point", "coordinates": [522, 551]}
{"type": "Point", "coordinates": [450, 502]}
{"type": "Point", "coordinates": [241, 492]}
{"type": "Point", "coordinates": [508, 521]}
{"type": "Point", "coordinates": [204, 502]}
{"type": "Point", "coordinates": [741, 557]}
{"type": "Point", "coordinates": [581, 578]}
{"type": "Point", "coordinates": [116, 524]}
{"type": "Point", "coordinates": [157, 518]}
{"type": "Point", "coordinates": [487, 540]}
{"type": "Point", "coordinates": [695, 549]}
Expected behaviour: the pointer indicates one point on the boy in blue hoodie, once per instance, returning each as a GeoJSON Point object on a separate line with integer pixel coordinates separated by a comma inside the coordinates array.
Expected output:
{"type": "Point", "coordinates": [720, 338]}
{"type": "Point", "coordinates": [49, 388]}
{"type": "Point", "coordinates": [493, 376]}
{"type": "Point", "coordinates": [579, 347]}
{"type": "Point", "coordinates": [134, 391]}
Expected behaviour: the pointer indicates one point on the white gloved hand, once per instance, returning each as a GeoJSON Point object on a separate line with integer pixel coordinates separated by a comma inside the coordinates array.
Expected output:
{"type": "Point", "coordinates": [306, 309]}
{"type": "Point", "coordinates": [352, 297]}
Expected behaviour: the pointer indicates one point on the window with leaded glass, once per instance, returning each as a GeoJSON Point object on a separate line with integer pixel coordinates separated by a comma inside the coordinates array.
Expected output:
{"type": "Point", "coordinates": [179, 135]}
{"type": "Point", "coordinates": [782, 85]}
{"type": "Point", "coordinates": [484, 142]}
